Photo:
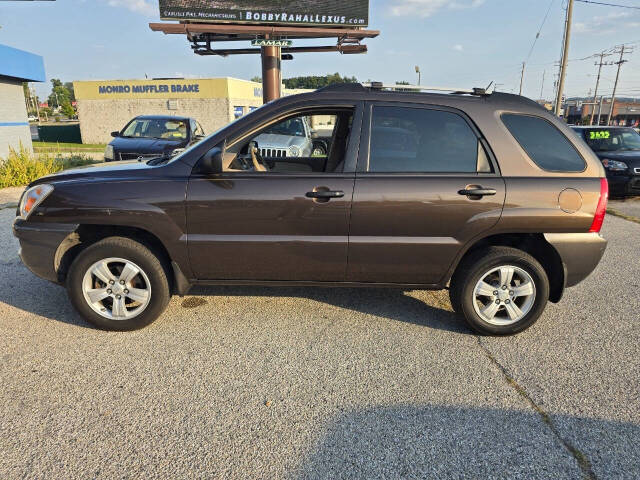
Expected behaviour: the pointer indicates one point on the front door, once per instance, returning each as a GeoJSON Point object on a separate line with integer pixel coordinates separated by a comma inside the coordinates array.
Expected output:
{"type": "Point", "coordinates": [414, 205]}
{"type": "Point", "coordinates": [280, 211]}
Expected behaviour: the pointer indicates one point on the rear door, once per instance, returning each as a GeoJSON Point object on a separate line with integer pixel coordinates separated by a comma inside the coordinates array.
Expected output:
{"type": "Point", "coordinates": [426, 184]}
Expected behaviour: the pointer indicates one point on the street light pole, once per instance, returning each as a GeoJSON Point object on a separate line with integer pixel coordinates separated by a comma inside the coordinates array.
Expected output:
{"type": "Point", "coordinates": [418, 72]}
{"type": "Point", "coordinates": [565, 57]}
{"type": "Point", "coordinates": [522, 77]}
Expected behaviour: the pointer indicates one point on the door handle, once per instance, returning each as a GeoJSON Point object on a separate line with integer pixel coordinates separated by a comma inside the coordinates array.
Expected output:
{"type": "Point", "coordinates": [326, 194]}
{"type": "Point", "coordinates": [477, 192]}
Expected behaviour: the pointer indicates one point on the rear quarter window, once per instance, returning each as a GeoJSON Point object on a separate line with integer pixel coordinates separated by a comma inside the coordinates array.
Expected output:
{"type": "Point", "coordinates": [544, 143]}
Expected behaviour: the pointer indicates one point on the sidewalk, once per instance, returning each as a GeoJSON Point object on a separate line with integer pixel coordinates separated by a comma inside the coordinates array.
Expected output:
{"type": "Point", "coordinates": [9, 197]}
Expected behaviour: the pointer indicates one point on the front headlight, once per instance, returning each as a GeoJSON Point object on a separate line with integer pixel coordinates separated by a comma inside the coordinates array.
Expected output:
{"type": "Point", "coordinates": [33, 197]}
{"type": "Point", "coordinates": [294, 151]}
{"type": "Point", "coordinates": [614, 165]}
{"type": "Point", "coordinates": [108, 153]}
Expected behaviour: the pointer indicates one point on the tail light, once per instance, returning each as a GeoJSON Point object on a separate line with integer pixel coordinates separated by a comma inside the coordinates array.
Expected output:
{"type": "Point", "coordinates": [601, 210]}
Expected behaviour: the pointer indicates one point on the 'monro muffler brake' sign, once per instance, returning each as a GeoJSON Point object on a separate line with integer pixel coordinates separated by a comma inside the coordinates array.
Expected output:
{"type": "Point", "coordinates": [336, 13]}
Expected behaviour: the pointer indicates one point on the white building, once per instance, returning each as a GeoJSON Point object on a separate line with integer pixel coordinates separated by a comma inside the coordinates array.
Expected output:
{"type": "Point", "coordinates": [16, 67]}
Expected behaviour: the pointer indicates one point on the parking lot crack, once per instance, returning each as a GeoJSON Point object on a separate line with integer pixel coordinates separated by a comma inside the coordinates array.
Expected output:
{"type": "Point", "coordinates": [629, 218]}
{"type": "Point", "coordinates": [580, 457]}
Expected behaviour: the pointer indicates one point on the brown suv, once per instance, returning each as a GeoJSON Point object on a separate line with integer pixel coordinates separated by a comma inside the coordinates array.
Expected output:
{"type": "Point", "coordinates": [486, 194]}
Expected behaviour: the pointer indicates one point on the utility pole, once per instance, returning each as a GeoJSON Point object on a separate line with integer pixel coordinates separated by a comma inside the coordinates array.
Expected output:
{"type": "Point", "coordinates": [565, 57]}
{"type": "Point", "coordinates": [544, 72]}
{"type": "Point", "coordinates": [620, 62]}
{"type": "Point", "coordinates": [600, 108]}
{"type": "Point", "coordinates": [595, 93]}
{"type": "Point", "coordinates": [35, 100]}
{"type": "Point", "coordinates": [522, 77]}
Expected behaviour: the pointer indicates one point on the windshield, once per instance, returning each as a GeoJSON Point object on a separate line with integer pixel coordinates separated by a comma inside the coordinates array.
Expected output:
{"type": "Point", "coordinates": [168, 129]}
{"type": "Point", "coordinates": [612, 139]}
{"type": "Point", "coordinates": [195, 145]}
{"type": "Point", "coordinates": [294, 127]}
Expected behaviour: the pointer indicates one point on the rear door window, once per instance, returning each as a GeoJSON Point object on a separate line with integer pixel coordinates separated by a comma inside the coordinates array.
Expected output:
{"type": "Point", "coordinates": [544, 143]}
{"type": "Point", "coordinates": [421, 140]}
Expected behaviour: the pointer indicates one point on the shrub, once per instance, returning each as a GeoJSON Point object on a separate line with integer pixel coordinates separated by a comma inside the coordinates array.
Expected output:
{"type": "Point", "coordinates": [22, 167]}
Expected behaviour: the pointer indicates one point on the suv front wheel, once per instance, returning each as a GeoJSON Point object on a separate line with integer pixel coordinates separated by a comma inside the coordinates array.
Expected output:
{"type": "Point", "coordinates": [118, 284]}
{"type": "Point", "coordinates": [500, 290]}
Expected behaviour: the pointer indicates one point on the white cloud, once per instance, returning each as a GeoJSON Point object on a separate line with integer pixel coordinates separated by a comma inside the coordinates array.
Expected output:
{"type": "Point", "coordinates": [426, 8]}
{"type": "Point", "coordinates": [139, 6]}
{"type": "Point", "coordinates": [458, 48]}
{"type": "Point", "coordinates": [604, 24]}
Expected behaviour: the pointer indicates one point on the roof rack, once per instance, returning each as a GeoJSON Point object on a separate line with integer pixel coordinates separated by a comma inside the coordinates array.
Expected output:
{"type": "Point", "coordinates": [422, 88]}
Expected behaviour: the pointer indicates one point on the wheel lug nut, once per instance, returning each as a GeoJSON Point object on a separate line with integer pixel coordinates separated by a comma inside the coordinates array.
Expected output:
{"type": "Point", "coordinates": [511, 293]}
{"type": "Point", "coordinates": [507, 301]}
{"type": "Point", "coordinates": [109, 291]}
{"type": "Point", "coordinates": [118, 297]}
{"type": "Point", "coordinates": [504, 287]}
{"type": "Point", "coordinates": [495, 293]}
{"type": "Point", "coordinates": [111, 282]}
{"type": "Point", "coordinates": [126, 291]}
{"type": "Point", "coordinates": [121, 282]}
{"type": "Point", "coordinates": [497, 302]}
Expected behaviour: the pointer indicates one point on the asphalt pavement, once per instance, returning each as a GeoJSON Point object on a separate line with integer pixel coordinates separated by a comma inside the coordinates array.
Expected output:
{"type": "Point", "coordinates": [243, 382]}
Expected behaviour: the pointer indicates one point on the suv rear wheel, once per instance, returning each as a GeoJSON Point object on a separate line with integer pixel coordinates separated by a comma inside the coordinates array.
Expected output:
{"type": "Point", "coordinates": [118, 284]}
{"type": "Point", "coordinates": [500, 290]}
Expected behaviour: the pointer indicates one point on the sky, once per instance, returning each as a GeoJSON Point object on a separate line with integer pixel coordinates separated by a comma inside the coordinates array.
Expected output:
{"type": "Point", "coordinates": [456, 43]}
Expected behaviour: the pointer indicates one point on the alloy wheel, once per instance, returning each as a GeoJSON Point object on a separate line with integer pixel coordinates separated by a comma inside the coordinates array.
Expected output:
{"type": "Point", "coordinates": [504, 295]}
{"type": "Point", "coordinates": [116, 288]}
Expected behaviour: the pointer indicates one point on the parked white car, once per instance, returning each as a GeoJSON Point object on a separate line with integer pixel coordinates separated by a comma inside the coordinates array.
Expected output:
{"type": "Point", "coordinates": [292, 138]}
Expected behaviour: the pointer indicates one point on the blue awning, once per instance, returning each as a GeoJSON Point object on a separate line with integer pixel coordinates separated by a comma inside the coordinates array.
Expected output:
{"type": "Point", "coordinates": [21, 65]}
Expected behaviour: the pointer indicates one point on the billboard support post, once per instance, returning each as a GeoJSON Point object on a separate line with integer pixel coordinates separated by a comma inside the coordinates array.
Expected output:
{"type": "Point", "coordinates": [270, 31]}
{"type": "Point", "coordinates": [271, 73]}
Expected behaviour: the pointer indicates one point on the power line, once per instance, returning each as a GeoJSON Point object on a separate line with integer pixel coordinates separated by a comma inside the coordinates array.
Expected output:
{"type": "Point", "coordinates": [608, 4]}
{"type": "Point", "coordinates": [544, 20]}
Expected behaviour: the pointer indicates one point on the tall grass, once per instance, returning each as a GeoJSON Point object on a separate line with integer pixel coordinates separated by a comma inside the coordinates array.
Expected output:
{"type": "Point", "coordinates": [22, 167]}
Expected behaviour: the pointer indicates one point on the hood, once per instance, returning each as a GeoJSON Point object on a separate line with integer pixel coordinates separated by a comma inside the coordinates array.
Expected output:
{"type": "Point", "coordinates": [145, 145]}
{"type": "Point", "coordinates": [97, 171]}
{"type": "Point", "coordinates": [273, 140]}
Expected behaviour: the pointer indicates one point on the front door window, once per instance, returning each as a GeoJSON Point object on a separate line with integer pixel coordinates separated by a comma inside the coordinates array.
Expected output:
{"type": "Point", "coordinates": [314, 142]}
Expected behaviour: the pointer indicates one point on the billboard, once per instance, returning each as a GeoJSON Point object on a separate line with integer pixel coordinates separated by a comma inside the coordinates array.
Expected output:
{"type": "Point", "coordinates": [318, 13]}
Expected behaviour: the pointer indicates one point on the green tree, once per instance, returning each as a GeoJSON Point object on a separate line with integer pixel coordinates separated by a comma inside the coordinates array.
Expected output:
{"type": "Point", "coordinates": [315, 82]}
{"type": "Point", "coordinates": [67, 109]}
{"type": "Point", "coordinates": [72, 93]}
{"type": "Point", "coordinates": [59, 93]}
{"type": "Point", "coordinates": [257, 79]}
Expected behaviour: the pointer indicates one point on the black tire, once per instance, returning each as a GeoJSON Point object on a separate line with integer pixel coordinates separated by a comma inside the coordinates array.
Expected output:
{"type": "Point", "coordinates": [132, 251]}
{"type": "Point", "coordinates": [470, 271]}
{"type": "Point", "coordinates": [320, 147]}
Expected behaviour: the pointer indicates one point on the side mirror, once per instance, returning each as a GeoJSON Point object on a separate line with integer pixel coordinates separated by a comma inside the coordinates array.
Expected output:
{"type": "Point", "coordinates": [115, 134]}
{"type": "Point", "coordinates": [211, 162]}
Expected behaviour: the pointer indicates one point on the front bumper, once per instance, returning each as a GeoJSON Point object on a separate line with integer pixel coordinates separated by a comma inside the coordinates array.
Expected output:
{"type": "Point", "coordinates": [39, 244]}
{"type": "Point", "coordinates": [623, 185]}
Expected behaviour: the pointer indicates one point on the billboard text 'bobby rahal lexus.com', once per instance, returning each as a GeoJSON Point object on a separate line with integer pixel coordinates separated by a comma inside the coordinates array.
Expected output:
{"type": "Point", "coordinates": [286, 12]}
